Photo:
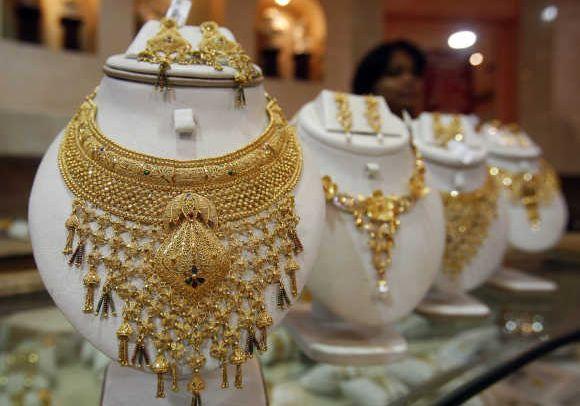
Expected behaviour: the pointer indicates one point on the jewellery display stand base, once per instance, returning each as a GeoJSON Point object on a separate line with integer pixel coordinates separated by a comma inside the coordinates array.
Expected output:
{"type": "Point", "coordinates": [452, 305]}
{"type": "Point", "coordinates": [127, 386]}
{"type": "Point", "coordinates": [325, 338]}
{"type": "Point", "coordinates": [516, 281]}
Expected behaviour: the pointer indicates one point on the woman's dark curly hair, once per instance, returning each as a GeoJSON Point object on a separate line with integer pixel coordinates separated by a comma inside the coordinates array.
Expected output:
{"type": "Point", "coordinates": [375, 64]}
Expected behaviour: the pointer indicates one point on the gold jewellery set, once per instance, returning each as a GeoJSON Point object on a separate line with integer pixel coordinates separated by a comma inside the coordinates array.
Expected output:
{"type": "Point", "coordinates": [215, 50]}
{"type": "Point", "coordinates": [528, 189]}
{"type": "Point", "coordinates": [344, 113]}
{"type": "Point", "coordinates": [188, 247]}
{"type": "Point", "coordinates": [468, 215]}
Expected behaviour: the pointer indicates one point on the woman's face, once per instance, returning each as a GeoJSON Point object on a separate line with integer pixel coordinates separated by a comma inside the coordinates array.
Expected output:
{"type": "Point", "coordinates": [401, 85]}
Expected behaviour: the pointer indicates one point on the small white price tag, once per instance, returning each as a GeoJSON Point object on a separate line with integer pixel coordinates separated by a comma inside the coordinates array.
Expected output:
{"type": "Point", "coordinates": [179, 11]}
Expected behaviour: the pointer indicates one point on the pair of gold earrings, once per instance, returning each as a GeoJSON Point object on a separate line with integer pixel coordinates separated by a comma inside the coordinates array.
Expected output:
{"type": "Point", "coordinates": [344, 113]}
{"type": "Point", "coordinates": [168, 47]}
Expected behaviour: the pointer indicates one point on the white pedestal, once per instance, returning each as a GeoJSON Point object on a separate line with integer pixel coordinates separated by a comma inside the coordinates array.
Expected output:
{"type": "Point", "coordinates": [325, 338]}
{"type": "Point", "coordinates": [452, 305]}
{"type": "Point", "coordinates": [516, 281]}
{"type": "Point", "coordinates": [128, 387]}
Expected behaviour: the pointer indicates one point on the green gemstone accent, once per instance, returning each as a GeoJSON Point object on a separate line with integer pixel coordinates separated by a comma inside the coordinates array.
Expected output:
{"type": "Point", "coordinates": [146, 172]}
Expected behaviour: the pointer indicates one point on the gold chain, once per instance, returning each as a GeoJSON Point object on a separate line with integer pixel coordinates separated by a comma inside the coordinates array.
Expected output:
{"type": "Point", "coordinates": [189, 247]}
{"type": "Point", "coordinates": [445, 133]}
{"type": "Point", "coordinates": [372, 113]}
{"type": "Point", "coordinates": [379, 215]}
{"type": "Point", "coordinates": [468, 217]}
{"type": "Point", "coordinates": [531, 190]}
{"type": "Point", "coordinates": [344, 115]}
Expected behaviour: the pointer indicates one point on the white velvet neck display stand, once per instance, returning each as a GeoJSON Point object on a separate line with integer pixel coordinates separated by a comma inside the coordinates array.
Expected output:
{"type": "Point", "coordinates": [522, 236]}
{"type": "Point", "coordinates": [462, 167]}
{"type": "Point", "coordinates": [348, 323]}
{"type": "Point", "coordinates": [139, 117]}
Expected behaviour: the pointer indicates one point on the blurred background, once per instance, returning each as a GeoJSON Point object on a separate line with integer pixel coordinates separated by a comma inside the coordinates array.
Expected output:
{"type": "Point", "coordinates": [522, 67]}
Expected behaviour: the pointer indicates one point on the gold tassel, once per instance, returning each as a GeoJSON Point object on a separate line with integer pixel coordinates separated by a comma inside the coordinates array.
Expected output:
{"type": "Point", "coordinates": [282, 299]}
{"type": "Point", "coordinates": [264, 321]}
{"type": "Point", "coordinates": [106, 303]}
{"type": "Point", "coordinates": [225, 382]}
{"type": "Point", "coordinates": [162, 79]}
{"type": "Point", "coordinates": [72, 224]}
{"type": "Point", "coordinates": [291, 268]}
{"type": "Point", "coordinates": [140, 357]}
{"type": "Point", "coordinates": [240, 97]}
{"type": "Point", "coordinates": [91, 281]}
{"type": "Point", "coordinates": [123, 334]}
{"type": "Point", "coordinates": [196, 385]}
{"type": "Point", "coordinates": [238, 358]}
{"type": "Point", "coordinates": [251, 342]}
{"type": "Point", "coordinates": [160, 367]}
{"type": "Point", "coordinates": [174, 378]}
{"type": "Point", "coordinates": [76, 258]}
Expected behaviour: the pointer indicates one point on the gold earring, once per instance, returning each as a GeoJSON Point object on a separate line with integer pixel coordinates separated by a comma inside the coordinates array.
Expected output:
{"type": "Point", "coordinates": [344, 115]}
{"type": "Point", "coordinates": [373, 115]}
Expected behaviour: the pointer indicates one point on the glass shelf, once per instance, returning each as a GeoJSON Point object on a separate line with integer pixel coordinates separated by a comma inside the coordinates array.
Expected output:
{"type": "Point", "coordinates": [42, 356]}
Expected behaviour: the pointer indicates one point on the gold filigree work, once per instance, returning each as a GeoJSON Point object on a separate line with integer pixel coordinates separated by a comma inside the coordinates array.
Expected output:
{"type": "Point", "coordinates": [189, 247]}
{"type": "Point", "coordinates": [468, 217]}
{"type": "Point", "coordinates": [379, 216]}
{"type": "Point", "coordinates": [215, 50]}
{"type": "Point", "coordinates": [528, 189]}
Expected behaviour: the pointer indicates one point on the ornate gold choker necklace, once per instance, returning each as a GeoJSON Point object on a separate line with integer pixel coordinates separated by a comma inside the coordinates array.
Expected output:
{"type": "Point", "coordinates": [379, 215]}
{"type": "Point", "coordinates": [189, 247]}
{"type": "Point", "coordinates": [528, 189]}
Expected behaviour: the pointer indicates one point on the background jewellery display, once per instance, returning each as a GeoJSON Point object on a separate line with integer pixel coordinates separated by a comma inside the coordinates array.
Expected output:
{"type": "Point", "coordinates": [528, 189]}
{"type": "Point", "coordinates": [189, 247]}
{"type": "Point", "coordinates": [468, 216]}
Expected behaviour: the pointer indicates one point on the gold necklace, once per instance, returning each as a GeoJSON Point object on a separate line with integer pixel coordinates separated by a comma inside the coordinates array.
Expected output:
{"type": "Point", "coordinates": [188, 246]}
{"type": "Point", "coordinates": [168, 46]}
{"type": "Point", "coordinates": [531, 190]}
{"type": "Point", "coordinates": [379, 216]}
{"type": "Point", "coordinates": [468, 217]}
{"type": "Point", "coordinates": [445, 133]}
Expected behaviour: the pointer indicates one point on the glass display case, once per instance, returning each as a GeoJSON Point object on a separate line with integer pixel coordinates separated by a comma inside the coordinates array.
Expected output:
{"type": "Point", "coordinates": [44, 361]}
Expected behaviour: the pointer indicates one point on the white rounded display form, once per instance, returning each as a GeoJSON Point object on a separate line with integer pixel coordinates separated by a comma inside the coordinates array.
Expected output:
{"type": "Point", "coordinates": [139, 117]}
{"type": "Point", "coordinates": [461, 166]}
{"type": "Point", "coordinates": [513, 150]}
{"type": "Point", "coordinates": [344, 280]}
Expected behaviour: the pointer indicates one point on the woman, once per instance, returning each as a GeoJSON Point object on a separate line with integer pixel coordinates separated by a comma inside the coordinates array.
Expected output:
{"type": "Point", "coordinates": [393, 70]}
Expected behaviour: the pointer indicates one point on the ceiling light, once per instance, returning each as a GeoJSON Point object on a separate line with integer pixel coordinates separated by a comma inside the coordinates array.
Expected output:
{"type": "Point", "coordinates": [461, 39]}
{"type": "Point", "coordinates": [476, 59]}
{"type": "Point", "coordinates": [282, 3]}
{"type": "Point", "coordinates": [549, 13]}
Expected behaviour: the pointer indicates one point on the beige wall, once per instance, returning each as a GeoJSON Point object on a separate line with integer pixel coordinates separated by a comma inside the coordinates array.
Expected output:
{"type": "Point", "coordinates": [549, 96]}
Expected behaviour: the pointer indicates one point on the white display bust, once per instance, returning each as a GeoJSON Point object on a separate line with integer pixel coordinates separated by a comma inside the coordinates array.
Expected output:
{"type": "Point", "coordinates": [344, 281]}
{"type": "Point", "coordinates": [461, 166]}
{"type": "Point", "coordinates": [139, 117]}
